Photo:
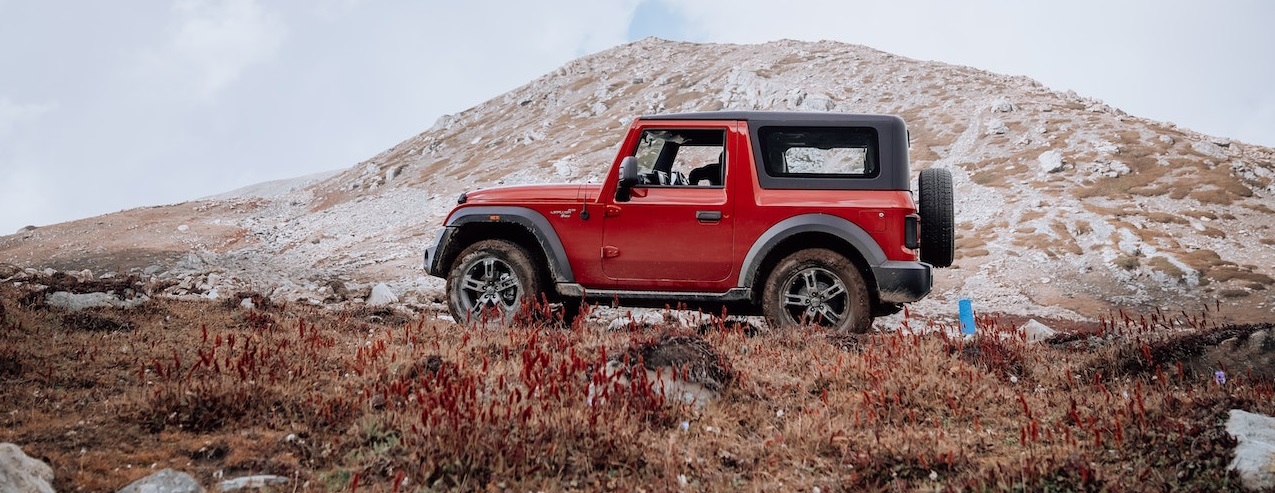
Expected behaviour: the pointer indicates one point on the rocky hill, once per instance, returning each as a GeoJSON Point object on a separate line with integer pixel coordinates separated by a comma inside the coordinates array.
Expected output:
{"type": "Point", "coordinates": [1066, 207]}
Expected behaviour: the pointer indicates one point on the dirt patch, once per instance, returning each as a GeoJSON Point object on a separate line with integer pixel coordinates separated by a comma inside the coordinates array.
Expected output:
{"type": "Point", "coordinates": [1236, 350]}
{"type": "Point", "coordinates": [94, 322]}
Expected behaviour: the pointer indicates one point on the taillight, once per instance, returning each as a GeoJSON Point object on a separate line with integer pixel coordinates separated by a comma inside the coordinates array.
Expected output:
{"type": "Point", "coordinates": [911, 231]}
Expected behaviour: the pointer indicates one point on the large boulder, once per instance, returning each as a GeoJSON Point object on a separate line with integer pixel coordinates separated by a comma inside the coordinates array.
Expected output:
{"type": "Point", "coordinates": [1255, 453]}
{"type": "Point", "coordinates": [75, 302]}
{"type": "Point", "coordinates": [20, 473]}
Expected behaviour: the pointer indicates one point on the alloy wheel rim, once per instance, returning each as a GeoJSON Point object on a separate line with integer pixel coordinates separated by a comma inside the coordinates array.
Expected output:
{"type": "Point", "coordinates": [816, 295]}
{"type": "Point", "coordinates": [490, 288]}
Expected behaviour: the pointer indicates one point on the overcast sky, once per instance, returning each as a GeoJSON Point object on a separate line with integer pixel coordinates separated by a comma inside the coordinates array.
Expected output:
{"type": "Point", "coordinates": [106, 105]}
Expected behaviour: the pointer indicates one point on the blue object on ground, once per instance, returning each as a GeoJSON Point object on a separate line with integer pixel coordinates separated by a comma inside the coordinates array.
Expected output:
{"type": "Point", "coordinates": [967, 315]}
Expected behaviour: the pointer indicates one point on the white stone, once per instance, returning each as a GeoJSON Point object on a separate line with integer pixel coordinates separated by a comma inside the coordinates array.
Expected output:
{"type": "Point", "coordinates": [1035, 331]}
{"type": "Point", "coordinates": [76, 302]}
{"type": "Point", "coordinates": [996, 126]}
{"type": "Point", "coordinates": [1209, 149]}
{"type": "Point", "coordinates": [381, 295]}
{"type": "Point", "coordinates": [1051, 161]}
{"type": "Point", "coordinates": [21, 473]}
{"type": "Point", "coordinates": [254, 482]}
{"type": "Point", "coordinates": [1255, 453]}
{"type": "Point", "coordinates": [164, 481]}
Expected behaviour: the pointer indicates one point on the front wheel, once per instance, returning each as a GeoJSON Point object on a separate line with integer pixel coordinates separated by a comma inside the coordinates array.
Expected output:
{"type": "Point", "coordinates": [817, 286]}
{"type": "Point", "coordinates": [489, 283]}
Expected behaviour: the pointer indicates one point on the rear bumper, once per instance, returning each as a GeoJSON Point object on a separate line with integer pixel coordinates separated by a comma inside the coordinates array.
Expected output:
{"type": "Point", "coordinates": [903, 282]}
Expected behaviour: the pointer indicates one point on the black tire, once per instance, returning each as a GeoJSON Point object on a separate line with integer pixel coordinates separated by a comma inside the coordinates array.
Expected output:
{"type": "Point", "coordinates": [938, 229]}
{"type": "Point", "coordinates": [490, 282]}
{"type": "Point", "coordinates": [572, 309]}
{"type": "Point", "coordinates": [817, 286]}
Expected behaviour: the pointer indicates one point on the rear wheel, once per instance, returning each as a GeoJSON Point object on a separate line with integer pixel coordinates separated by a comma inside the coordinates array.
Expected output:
{"type": "Point", "coordinates": [490, 282]}
{"type": "Point", "coordinates": [938, 232]}
{"type": "Point", "coordinates": [818, 287]}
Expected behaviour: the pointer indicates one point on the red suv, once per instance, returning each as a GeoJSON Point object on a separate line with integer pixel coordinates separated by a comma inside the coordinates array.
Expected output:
{"type": "Point", "coordinates": [806, 218]}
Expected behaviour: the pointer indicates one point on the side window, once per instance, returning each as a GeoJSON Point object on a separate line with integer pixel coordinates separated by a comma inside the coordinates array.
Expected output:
{"type": "Point", "coordinates": [848, 152]}
{"type": "Point", "coordinates": [681, 157]}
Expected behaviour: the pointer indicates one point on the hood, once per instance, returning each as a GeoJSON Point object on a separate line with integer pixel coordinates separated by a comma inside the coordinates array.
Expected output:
{"type": "Point", "coordinates": [525, 194]}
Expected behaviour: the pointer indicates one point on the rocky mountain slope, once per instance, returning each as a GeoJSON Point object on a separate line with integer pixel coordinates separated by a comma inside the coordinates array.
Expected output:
{"type": "Point", "coordinates": [1066, 207]}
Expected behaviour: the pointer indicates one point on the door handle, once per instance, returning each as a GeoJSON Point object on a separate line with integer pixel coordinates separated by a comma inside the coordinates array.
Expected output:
{"type": "Point", "coordinates": [708, 216]}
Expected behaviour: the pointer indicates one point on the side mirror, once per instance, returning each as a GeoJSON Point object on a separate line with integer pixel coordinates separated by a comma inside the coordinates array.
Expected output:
{"type": "Point", "coordinates": [628, 178]}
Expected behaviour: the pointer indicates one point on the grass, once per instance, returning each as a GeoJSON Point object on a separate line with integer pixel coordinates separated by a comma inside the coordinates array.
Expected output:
{"type": "Point", "coordinates": [370, 401]}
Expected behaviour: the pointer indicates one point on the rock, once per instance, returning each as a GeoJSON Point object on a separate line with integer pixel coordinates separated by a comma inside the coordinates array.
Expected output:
{"type": "Point", "coordinates": [1209, 149]}
{"type": "Point", "coordinates": [9, 271]}
{"type": "Point", "coordinates": [1251, 354]}
{"type": "Point", "coordinates": [1036, 332]}
{"type": "Point", "coordinates": [252, 482]}
{"type": "Point", "coordinates": [247, 304]}
{"type": "Point", "coordinates": [1255, 453]}
{"type": "Point", "coordinates": [1051, 161]}
{"type": "Point", "coordinates": [1003, 105]}
{"type": "Point", "coordinates": [381, 295]}
{"type": "Point", "coordinates": [20, 473]}
{"type": "Point", "coordinates": [1166, 139]}
{"type": "Point", "coordinates": [76, 302]}
{"type": "Point", "coordinates": [165, 481]}
{"type": "Point", "coordinates": [339, 291]}
{"type": "Point", "coordinates": [652, 318]}
{"type": "Point", "coordinates": [997, 127]}
{"type": "Point", "coordinates": [684, 369]}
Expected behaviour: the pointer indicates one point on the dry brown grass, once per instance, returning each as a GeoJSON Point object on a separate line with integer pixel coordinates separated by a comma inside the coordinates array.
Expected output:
{"type": "Point", "coordinates": [972, 243]}
{"type": "Point", "coordinates": [1213, 268]}
{"type": "Point", "coordinates": [1164, 217]}
{"type": "Point", "coordinates": [1162, 264]}
{"type": "Point", "coordinates": [1260, 207]}
{"type": "Point", "coordinates": [1127, 262]}
{"type": "Point", "coordinates": [995, 173]}
{"type": "Point", "coordinates": [352, 401]}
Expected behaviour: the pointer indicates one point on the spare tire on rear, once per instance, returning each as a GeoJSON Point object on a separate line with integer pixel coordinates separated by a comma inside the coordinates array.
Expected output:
{"type": "Point", "coordinates": [938, 230]}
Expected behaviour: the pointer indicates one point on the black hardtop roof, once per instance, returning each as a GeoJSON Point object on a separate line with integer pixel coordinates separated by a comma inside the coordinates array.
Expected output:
{"type": "Point", "coordinates": [773, 116]}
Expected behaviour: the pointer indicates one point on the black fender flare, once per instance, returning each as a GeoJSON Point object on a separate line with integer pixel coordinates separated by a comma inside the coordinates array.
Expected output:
{"type": "Point", "coordinates": [559, 266]}
{"type": "Point", "coordinates": [807, 223]}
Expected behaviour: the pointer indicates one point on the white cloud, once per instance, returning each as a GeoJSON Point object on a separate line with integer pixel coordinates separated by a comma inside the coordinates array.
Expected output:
{"type": "Point", "coordinates": [14, 114]}
{"type": "Point", "coordinates": [211, 44]}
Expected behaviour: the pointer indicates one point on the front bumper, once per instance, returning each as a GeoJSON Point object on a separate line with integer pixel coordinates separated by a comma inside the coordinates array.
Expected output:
{"type": "Point", "coordinates": [903, 282]}
{"type": "Point", "coordinates": [434, 253]}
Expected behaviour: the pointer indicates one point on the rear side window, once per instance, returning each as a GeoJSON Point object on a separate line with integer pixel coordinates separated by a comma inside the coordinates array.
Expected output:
{"type": "Point", "coordinates": [814, 152]}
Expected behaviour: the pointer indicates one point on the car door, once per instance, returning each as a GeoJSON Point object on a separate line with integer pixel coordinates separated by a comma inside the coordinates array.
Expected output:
{"type": "Point", "coordinates": [671, 234]}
